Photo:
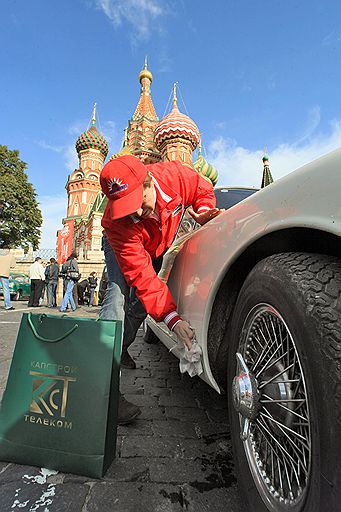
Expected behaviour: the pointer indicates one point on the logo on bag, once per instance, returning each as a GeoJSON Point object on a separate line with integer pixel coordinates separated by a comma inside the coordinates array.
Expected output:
{"type": "Point", "coordinates": [50, 394]}
{"type": "Point", "coordinates": [49, 399]}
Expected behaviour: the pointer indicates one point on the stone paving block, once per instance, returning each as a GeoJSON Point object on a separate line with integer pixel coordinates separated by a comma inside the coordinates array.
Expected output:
{"type": "Point", "coordinates": [151, 413]}
{"type": "Point", "coordinates": [150, 446]}
{"type": "Point", "coordinates": [182, 471]}
{"type": "Point", "coordinates": [215, 500]}
{"type": "Point", "coordinates": [132, 469]}
{"type": "Point", "coordinates": [174, 428]}
{"type": "Point", "coordinates": [150, 382]}
{"type": "Point", "coordinates": [186, 413]}
{"type": "Point", "coordinates": [131, 389]}
{"type": "Point", "coordinates": [29, 496]}
{"type": "Point", "coordinates": [158, 391]}
{"type": "Point", "coordinates": [218, 415]}
{"type": "Point", "coordinates": [15, 472]}
{"type": "Point", "coordinates": [192, 448]}
{"type": "Point", "coordinates": [177, 381]}
{"type": "Point", "coordinates": [134, 497]}
{"type": "Point", "coordinates": [179, 399]}
{"type": "Point", "coordinates": [156, 373]}
{"type": "Point", "coordinates": [3, 467]}
{"type": "Point", "coordinates": [143, 400]}
{"type": "Point", "coordinates": [140, 427]}
{"type": "Point", "coordinates": [212, 432]}
{"type": "Point", "coordinates": [138, 372]}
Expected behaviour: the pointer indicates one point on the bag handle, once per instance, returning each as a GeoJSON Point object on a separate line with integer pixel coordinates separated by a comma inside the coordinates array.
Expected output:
{"type": "Point", "coordinates": [41, 338]}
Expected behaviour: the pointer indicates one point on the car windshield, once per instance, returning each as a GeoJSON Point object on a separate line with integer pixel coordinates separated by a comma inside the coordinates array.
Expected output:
{"type": "Point", "coordinates": [227, 197]}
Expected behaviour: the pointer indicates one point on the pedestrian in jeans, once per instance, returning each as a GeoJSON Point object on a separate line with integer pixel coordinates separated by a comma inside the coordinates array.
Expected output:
{"type": "Point", "coordinates": [141, 219]}
{"type": "Point", "coordinates": [51, 279]}
{"type": "Point", "coordinates": [92, 279]}
{"type": "Point", "coordinates": [70, 270]}
{"type": "Point", "coordinates": [37, 276]}
{"type": "Point", "coordinates": [7, 261]}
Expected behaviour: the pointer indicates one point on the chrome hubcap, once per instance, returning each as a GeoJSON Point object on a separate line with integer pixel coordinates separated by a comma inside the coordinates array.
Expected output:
{"type": "Point", "coordinates": [270, 397]}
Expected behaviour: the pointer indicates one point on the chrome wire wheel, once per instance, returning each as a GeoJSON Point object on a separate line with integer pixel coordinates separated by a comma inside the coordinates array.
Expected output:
{"type": "Point", "coordinates": [271, 399]}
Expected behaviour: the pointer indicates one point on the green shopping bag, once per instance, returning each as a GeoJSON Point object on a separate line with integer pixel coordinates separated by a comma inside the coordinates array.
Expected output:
{"type": "Point", "coordinates": [59, 408]}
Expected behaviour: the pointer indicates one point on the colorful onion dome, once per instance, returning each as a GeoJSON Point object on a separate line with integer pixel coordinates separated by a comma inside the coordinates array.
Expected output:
{"type": "Point", "coordinates": [206, 170]}
{"type": "Point", "coordinates": [176, 125]}
{"type": "Point", "coordinates": [92, 139]}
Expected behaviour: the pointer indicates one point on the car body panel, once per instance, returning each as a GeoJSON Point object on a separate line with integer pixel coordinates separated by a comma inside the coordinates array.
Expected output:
{"type": "Point", "coordinates": [18, 282]}
{"type": "Point", "coordinates": [306, 198]}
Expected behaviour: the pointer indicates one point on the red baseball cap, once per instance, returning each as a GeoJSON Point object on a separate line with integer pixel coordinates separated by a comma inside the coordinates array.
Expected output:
{"type": "Point", "coordinates": [122, 182]}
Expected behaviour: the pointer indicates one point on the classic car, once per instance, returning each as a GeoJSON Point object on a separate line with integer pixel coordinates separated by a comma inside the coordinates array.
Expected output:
{"type": "Point", "coordinates": [261, 286]}
{"type": "Point", "coordinates": [19, 286]}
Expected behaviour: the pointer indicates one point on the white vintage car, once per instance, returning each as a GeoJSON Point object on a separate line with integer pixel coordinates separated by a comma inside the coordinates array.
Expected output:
{"type": "Point", "coordinates": [261, 286]}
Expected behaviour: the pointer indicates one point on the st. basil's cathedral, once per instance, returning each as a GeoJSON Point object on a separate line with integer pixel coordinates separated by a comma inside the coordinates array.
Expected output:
{"type": "Point", "coordinates": [175, 137]}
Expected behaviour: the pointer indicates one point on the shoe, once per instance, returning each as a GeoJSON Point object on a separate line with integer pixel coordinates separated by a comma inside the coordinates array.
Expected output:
{"type": "Point", "coordinates": [9, 309]}
{"type": "Point", "coordinates": [127, 412]}
{"type": "Point", "coordinates": [127, 361]}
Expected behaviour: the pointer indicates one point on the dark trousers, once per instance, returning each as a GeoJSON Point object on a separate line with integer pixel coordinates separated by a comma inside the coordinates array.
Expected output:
{"type": "Point", "coordinates": [36, 289]}
{"type": "Point", "coordinates": [120, 301]}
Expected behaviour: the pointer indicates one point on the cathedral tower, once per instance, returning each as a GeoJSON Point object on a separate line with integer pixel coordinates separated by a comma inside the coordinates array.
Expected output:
{"type": "Point", "coordinates": [83, 184]}
{"type": "Point", "coordinates": [138, 137]}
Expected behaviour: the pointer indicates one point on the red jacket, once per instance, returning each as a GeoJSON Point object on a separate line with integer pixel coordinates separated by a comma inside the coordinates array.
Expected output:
{"type": "Point", "coordinates": [137, 242]}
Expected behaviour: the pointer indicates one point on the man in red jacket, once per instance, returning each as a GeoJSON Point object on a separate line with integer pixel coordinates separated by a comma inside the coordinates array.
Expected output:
{"type": "Point", "coordinates": [143, 213]}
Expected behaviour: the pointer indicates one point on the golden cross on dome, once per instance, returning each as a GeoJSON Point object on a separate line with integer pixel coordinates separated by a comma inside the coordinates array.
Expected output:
{"type": "Point", "coordinates": [145, 62]}
{"type": "Point", "coordinates": [93, 120]}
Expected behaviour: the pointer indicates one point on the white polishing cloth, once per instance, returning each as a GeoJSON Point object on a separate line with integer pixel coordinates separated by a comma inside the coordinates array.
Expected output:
{"type": "Point", "coordinates": [190, 359]}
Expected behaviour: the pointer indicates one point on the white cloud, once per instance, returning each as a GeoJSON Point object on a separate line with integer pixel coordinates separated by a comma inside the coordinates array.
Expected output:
{"type": "Point", "coordinates": [45, 145]}
{"type": "Point", "coordinates": [53, 209]}
{"type": "Point", "coordinates": [242, 166]}
{"type": "Point", "coordinates": [140, 14]}
{"type": "Point", "coordinates": [332, 39]}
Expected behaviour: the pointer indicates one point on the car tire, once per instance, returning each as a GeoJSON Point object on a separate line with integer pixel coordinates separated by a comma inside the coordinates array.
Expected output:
{"type": "Point", "coordinates": [288, 312]}
{"type": "Point", "coordinates": [150, 337]}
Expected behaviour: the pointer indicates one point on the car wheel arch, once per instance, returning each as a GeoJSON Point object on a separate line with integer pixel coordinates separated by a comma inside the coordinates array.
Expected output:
{"type": "Point", "coordinates": [286, 240]}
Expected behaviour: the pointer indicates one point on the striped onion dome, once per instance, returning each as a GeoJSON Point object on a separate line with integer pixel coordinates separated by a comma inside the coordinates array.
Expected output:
{"type": "Point", "coordinates": [176, 125]}
{"type": "Point", "coordinates": [206, 170]}
{"type": "Point", "coordinates": [92, 139]}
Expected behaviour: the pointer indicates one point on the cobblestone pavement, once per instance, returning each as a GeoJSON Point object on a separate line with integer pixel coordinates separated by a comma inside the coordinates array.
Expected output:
{"type": "Point", "coordinates": [176, 456]}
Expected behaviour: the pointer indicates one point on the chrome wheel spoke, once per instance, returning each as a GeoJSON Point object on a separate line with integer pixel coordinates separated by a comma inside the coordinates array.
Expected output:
{"type": "Point", "coordinates": [278, 444]}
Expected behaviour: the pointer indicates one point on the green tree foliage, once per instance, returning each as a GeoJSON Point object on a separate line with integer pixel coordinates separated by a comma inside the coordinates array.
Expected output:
{"type": "Point", "coordinates": [20, 216]}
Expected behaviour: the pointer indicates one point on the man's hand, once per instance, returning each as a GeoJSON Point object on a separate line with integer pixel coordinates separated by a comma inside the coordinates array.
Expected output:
{"type": "Point", "coordinates": [184, 333]}
{"type": "Point", "coordinates": [202, 218]}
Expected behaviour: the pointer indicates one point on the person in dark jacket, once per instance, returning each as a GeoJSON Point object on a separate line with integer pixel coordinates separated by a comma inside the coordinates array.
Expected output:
{"type": "Point", "coordinates": [71, 272]}
{"type": "Point", "coordinates": [51, 280]}
{"type": "Point", "coordinates": [92, 287]}
{"type": "Point", "coordinates": [82, 288]}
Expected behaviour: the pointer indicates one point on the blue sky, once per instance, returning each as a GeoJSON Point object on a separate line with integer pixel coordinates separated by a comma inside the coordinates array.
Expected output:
{"type": "Point", "coordinates": [252, 74]}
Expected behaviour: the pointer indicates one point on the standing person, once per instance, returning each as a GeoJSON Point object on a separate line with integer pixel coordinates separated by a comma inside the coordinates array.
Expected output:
{"type": "Point", "coordinates": [92, 287]}
{"type": "Point", "coordinates": [51, 279]}
{"type": "Point", "coordinates": [37, 276]}
{"type": "Point", "coordinates": [82, 287]}
{"type": "Point", "coordinates": [44, 288]}
{"type": "Point", "coordinates": [7, 261]}
{"type": "Point", "coordinates": [70, 269]}
{"type": "Point", "coordinates": [140, 221]}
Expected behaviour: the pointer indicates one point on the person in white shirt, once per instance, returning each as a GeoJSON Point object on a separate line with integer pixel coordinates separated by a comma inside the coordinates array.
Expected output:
{"type": "Point", "coordinates": [37, 276]}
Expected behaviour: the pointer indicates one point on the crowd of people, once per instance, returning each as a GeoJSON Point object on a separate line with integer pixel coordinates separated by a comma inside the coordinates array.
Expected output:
{"type": "Point", "coordinates": [44, 278]}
